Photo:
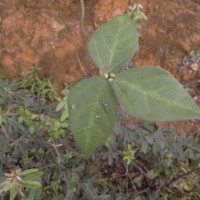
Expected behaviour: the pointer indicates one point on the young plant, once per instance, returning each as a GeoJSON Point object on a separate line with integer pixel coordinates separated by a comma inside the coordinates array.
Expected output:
{"type": "Point", "coordinates": [136, 11]}
{"type": "Point", "coordinates": [129, 154]}
{"type": "Point", "coordinates": [63, 104]}
{"type": "Point", "coordinates": [148, 93]}
{"type": "Point", "coordinates": [17, 180]}
{"type": "Point", "coordinates": [41, 88]}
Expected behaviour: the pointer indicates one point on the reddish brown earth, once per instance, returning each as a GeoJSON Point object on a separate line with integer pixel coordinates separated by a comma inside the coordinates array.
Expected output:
{"type": "Point", "coordinates": [46, 33]}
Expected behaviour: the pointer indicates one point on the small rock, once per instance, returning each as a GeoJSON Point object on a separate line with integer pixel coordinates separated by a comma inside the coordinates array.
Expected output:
{"type": "Point", "coordinates": [195, 98]}
{"type": "Point", "coordinates": [194, 66]}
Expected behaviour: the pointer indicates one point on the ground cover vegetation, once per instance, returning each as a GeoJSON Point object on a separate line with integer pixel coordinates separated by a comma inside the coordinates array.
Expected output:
{"type": "Point", "coordinates": [139, 161]}
{"type": "Point", "coordinates": [110, 158]}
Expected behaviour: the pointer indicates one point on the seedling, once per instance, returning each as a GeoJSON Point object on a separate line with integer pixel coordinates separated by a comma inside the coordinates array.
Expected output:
{"type": "Point", "coordinates": [148, 93]}
{"type": "Point", "coordinates": [136, 12]}
{"type": "Point", "coordinates": [63, 104]}
{"type": "Point", "coordinates": [129, 154]}
{"type": "Point", "coordinates": [17, 180]}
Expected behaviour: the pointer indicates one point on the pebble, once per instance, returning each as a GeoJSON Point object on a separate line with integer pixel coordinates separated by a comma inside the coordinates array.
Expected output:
{"type": "Point", "coordinates": [191, 62]}
{"type": "Point", "coordinates": [195, 66]}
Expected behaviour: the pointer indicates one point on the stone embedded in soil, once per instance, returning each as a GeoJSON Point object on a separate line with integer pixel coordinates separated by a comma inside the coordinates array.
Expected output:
{"type": "Point", "coordinates": [190, 65]}
{"type": "Point", "coordinates": [195, 66]}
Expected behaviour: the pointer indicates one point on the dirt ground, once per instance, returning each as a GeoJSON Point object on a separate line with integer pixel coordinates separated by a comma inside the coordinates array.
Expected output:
{"type": "Point", "coordinates": [46, 33]}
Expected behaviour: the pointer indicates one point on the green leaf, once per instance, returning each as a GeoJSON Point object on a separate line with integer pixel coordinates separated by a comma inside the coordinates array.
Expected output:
{"type": "Point", "coordinates": [59, 132]}
{"type": "Point", "coordinates": [6, 187]}
{"type": "Point", "coordinates": [1, 119]}
{"type": "Point", "coordinates": [13, 192]}
{"type": "Point", "coordinates": [21, 111]}
{"type": "Point", "coordinates": [31, 129]}
{"type": "Point", "coordinates": [114, 44]}
{"type": "Point", "coordinates": [64, 115]}
{"type": "Point", "coordinates": [92, 112]}
{"type": "Point", "coordinates": [6, 182]}
{"type": "Point", "coordinates": [139, 15]}
{"type": "Point", "coordinates": [28, 171]}
{"type": "Point", "coordinates": [56, 125]}
{"type": "Point", "coordinates": [61, 104]}
{"type": "Point", "coordinates": [33, 116]}
{"type": "Point", "coordinates": [30, 184]}
{"type": "Point", "coordinates": [27, 112]}
{"type": "Point", "coordinates": [32, 176]}
{"type": "Point", "coordinates": [20, 119]}
{"type": "Point", "coordinates": [89, 191]}
{"type": "Point", "coordinates": [153, 94]}
{"type": "Point", "coordinates": [35, 194]}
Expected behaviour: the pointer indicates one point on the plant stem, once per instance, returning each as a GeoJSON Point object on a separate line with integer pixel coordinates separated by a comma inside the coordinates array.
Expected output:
{"type": "Point", "coordinates": [177, 178]}
{"type": "Point", "coordinates": [82, 21]}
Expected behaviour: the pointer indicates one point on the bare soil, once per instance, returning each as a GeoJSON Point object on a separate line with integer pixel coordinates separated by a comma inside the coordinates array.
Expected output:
{"type": "Point", "coordinates": [46, 33]}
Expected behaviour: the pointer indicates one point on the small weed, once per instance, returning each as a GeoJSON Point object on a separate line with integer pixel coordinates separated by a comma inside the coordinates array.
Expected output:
{"type": "Point", "coordinates": [129, 154]}
{"type": "Point", "coordinates": [194, 53]}
{"type": "Point", "coordinates": [17, 180]}
{"type": "Point", "coordinates": [41, 88]}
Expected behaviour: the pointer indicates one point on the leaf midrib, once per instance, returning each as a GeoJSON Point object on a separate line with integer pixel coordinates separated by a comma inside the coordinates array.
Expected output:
{"type": "Point", "coordinates": [144, 92]}
{"type": "Point", "coordinates": [93, 112]}
{"type": "Point", "coordinates": [113, 49]}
